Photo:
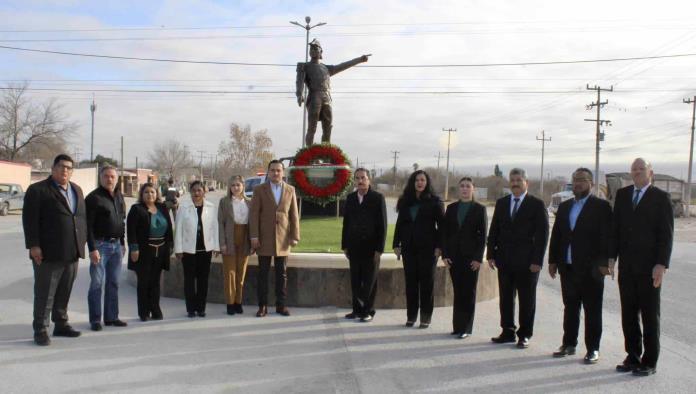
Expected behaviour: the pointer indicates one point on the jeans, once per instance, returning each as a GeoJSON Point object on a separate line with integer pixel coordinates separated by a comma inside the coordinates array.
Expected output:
{"type": "Point", "coordinates": [109, 266]}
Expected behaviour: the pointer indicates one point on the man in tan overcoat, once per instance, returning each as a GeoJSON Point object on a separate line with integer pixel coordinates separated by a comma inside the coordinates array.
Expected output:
{"type": "Point", "coordinates": [274, 228]}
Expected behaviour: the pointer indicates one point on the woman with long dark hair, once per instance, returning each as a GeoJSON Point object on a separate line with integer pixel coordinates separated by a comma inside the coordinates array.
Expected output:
{"type": "Point", "coordinates": [150, 239]}
{"type": "Point", "coordinates": [464, 235]}
{"type": "Point", "coordinates": [195, 240]}
{"type": "Point", "coordinates": [417, 239]}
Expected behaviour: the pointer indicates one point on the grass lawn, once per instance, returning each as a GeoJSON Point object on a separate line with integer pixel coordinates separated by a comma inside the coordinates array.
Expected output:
{"type": "Point", "coordinates": [323, 235]}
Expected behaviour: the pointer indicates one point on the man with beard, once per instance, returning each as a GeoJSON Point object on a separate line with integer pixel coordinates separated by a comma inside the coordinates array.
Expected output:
{"type": "Point", "coordinates": [579, 251]}
{"type": "Point", "coordinates": [516, 247]}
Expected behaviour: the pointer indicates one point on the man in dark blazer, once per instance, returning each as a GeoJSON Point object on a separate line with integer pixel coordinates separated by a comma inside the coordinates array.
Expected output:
{"type": "Point", "coordinates": [579, 251]}
{"type": "Point", "coordinates": [516, 246]}
{"type": "Point", "coordinates": [363, 236]}
{"type": "Point", "coordinates": [641, 238]}
{"type": "Point", "coordinates": [55, 232]}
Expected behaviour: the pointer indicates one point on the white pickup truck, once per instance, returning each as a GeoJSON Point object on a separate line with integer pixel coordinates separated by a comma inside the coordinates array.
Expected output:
{"type": "Point", "coordinates": [11, 198]}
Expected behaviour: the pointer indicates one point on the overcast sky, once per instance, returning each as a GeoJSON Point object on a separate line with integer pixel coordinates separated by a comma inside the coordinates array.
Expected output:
{"type": "Point", "coordinates": [376, 110]}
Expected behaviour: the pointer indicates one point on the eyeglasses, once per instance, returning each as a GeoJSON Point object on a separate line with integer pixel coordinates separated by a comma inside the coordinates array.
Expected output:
{"type": "Point", "coordinates": [64, 167]}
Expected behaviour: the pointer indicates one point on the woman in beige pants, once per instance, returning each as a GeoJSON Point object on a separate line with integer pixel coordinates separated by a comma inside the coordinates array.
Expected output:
{"type": "Point", "coordinates": [233, 224]}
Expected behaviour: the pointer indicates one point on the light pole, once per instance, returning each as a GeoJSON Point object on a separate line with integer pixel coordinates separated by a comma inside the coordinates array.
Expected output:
{"type": "Point", "coordinates": [92, 108]}
{"type": "Point", "coordinates": [543, 140]}
{"type": "Point", "coordinates": [307, 28]}
{"type": "Point", "coordinates": [691, 154]}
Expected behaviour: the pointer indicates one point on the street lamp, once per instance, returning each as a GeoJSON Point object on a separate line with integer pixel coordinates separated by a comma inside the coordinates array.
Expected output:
{"type": "Point", "coordinates": [307, 28]}
{"type": "Point", "coordinates": [92, 108]}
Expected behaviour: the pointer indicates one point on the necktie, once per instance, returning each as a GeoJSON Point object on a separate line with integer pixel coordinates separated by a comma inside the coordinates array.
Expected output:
{"type": "Point", "coordinates": [514, 208]}
{"type": "Point", "coordinates": [635, 198]}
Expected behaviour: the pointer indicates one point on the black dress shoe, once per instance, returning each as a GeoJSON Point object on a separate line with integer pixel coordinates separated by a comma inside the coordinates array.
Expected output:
{"type": "Point", "coordinates": [192, 314]}
{"type": "Point", "coordinates": [523, 343]}
{"type": "Point", "coordinates": [410, 323]}
{"type": "Point", "coordinates": [504, 337]}
{"type": "Point", "coordinates": [144, 318]}
{"type": "Point", "coordinates": [351, 315]}
{"type": "Point", "coordinates": [157, 316]}
{"type": "Point", "coordinates": [41, 338]}
{"type": "Point", "coordinates": [230, 309]}
{"type": "Point", "coordinates": [592, 357]}
{"type": "Point", "coordinates": [238, 308]}
{"type": "Point", "coordinates": [201, 313]}
{"type": "Point", "coordinates": [424, 324]}
{"type": "Point", "coordinates": [644, 370]}
{"type": "Point", "coordinates": [628, 365]}
{"type": "Point", "coordinates": [463, 336]}
{"type": "Point", "coordinates": [95, 326]}
{"type": "Point", "coordinates": [455, 333]}
{"type": "Point", "coordinates": [564, 351]}
{"type": "Point", "coordinates": [283, 311]}
{"type": "Point", "coordinates": [263, 311]}
{"type": "Point", "coordinates": [116, 323]}
{"type": "Point", "coordinates": [66, 331]}
{"type": "Point", "coordinates": [366, 319]}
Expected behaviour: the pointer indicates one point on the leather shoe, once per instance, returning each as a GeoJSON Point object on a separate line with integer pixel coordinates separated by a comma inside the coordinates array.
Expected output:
{"type": "Point", "coordinates": [116, 323]}
{"type": "Point", "coordinates": [144, 318]}
{"type": "Point", "coordinates": [157, 316]}
{"type": "Point", "coordinates": [238, 308]}
{"type": "Point", "coordinates": [504, 337]}
{"type": "Point", "coordinates": [201, 313]}
{"type": "Point", "coordinates": [644, 370]}
{"type": "Point", "coordinates": [410, 323]}
{"type": "Point", "coordinates": [231, 309]}
{"type": "Point", "coordinates": [95, 326]}
{"type": "Point", "coordinates": [283, 310]}
{"type": "Point", "coordinates": [592, 357]}
{"type": "Point", "coordinates": [351, 315]}
{"type": "Point", "coordinates": [366, 319]}
{"type": "Point", "coordinates": [41, 338]}
{"type": "Point", "coordinates": [263, 311]}
{"type": "Point", "coordinates": [191, 315]}
{"type": "Point", "coordinates": [523, 343]}
{"type": "Point", "coordinates": [66, 331]}
{"type": "Point", "coordinates": [564, 351]}
{"type": "Point", "coordinates": [627, 365]}
{"type": "Point", "coordinates": [463, 336]}
{"type": "Point", "coordinates": [424, 324]}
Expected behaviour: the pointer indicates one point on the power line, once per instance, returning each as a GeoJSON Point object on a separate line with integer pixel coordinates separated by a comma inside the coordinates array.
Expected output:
{"type": "Point", "coordinates": [535, 63]}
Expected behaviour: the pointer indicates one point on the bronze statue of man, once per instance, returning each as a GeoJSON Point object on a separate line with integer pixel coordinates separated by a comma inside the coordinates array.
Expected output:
{"type": "Point", "coordinates": [316, 76]}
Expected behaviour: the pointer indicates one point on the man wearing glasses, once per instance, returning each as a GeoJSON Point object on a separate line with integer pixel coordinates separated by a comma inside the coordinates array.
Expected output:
{"type": "Point", "coordinates": [579, 251]}
{"type": "Point", "coordinates": [55, 232]}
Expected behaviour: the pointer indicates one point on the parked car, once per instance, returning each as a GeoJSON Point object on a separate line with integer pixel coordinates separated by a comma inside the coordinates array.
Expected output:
{"type": "Point", "coordinates": [11, 198]}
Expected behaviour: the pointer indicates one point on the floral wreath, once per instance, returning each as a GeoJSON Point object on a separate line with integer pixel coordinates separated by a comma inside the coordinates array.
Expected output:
{"type": "Point", "coordinates": [321, 155]}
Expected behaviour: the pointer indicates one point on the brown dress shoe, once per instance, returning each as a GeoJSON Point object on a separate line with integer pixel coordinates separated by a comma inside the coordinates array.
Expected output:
{"type": "Point", "coordinates": [283, 310]}
{"type": "Point", "coordinates": [263, 311]}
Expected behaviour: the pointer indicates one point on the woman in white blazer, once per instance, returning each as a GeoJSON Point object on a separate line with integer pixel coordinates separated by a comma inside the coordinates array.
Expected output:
{"type": "Point", "coordinates": [195, 240]}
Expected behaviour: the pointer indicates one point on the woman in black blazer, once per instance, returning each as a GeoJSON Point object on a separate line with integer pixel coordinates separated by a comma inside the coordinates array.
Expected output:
{"type": "Point", "coordinates": [150, 240]}
{"type": "Point", "coordinates": [464, 242]}
{"type": "Point", "coordinates": [417, 238]}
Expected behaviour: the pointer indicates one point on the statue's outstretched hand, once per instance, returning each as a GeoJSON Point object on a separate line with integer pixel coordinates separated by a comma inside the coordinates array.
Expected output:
{"type": "Point", "coordinates": [364, 58]}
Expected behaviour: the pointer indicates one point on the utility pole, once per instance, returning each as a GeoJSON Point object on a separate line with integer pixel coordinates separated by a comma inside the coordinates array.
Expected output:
{"type": "Point", "coordinates": [438, 162]}
{"type": "Point", "coordinates": [599, 123]}
{"type": "Point", "coordinates": [307, 28]}
{"type": "Point", "coordinates": [449, 139]}
{"type": "Point", "coordinates": [691, 153]}
{"type": "Point", "coordinates": [396, 156]}
{"type": "Point", "coordinates": [541, 176]}
{"type": "Point", "coordinates": [92, 109]}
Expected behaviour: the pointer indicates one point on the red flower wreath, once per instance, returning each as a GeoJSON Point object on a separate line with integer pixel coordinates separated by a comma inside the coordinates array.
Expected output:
{"type": "Point", "coordinates": [329, 155]}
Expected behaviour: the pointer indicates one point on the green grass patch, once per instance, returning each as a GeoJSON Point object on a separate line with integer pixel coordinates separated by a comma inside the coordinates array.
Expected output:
{"type": "Point", "coordinates": [323, 235]}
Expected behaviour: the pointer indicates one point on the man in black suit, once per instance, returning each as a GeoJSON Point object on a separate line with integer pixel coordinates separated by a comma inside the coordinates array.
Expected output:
{"type": "Point", "coordinates": [362, 241]}
{"type": "Point", "coordinates": [579, 251]}
{"type": "Point", "coordinates": [55, 232]}
{"type": "Point", "coordinates": [516, 246]}
{"type": "Point", "coordinates": [641, 238]}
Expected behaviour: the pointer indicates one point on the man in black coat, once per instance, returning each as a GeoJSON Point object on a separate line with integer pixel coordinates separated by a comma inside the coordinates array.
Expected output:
{"type": "Point", "coordinates": [579, 251]}
{"type": "Point", "coordinates": [362, 241]}
{"type": "Point", "coordinates": [641, 238]}
{"type": "Point", "coordinates": [55, 232]}
{"type": "Point", "coordinates": [516, 246]}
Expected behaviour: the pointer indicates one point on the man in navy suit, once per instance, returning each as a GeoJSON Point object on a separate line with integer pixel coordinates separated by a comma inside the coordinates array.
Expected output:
{"type": "Point", "coordinates": [641, 238]}
{"type": "Point", "coordinates": [516, 246]}
{"type": "Point", "coordinates": [579, 251]}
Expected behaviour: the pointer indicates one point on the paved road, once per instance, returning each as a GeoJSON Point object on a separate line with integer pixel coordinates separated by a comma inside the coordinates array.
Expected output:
{"type": "Point", "coordinates": [318, 351]}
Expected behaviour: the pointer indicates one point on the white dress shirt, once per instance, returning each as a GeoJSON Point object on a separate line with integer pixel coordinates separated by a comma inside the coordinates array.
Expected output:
{"type": "Point", "coordinates": [512, 201]}
{"type": "Point", "coordinates": [277, 189]}
{"type": "Point", "coordinates": [241, 211]}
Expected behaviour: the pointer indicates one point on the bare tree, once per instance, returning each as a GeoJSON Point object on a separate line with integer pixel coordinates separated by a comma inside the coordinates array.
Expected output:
{"type": "Point", "coordinates": [245, 151]}
{"type": "Point", "coordinates": [170, 157]}
{"type": "Point", "coordinates": [24, 123]}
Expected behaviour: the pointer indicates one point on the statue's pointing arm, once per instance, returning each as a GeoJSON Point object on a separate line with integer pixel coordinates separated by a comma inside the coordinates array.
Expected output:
{"type": "Point", "coordinates": [346, 65]}
{"type": "Point", "coordinates": [299, 83]}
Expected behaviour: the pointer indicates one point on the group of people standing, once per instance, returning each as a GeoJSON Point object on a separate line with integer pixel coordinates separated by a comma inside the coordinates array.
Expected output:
{"type": "Point", "coordinates": [586, 240]}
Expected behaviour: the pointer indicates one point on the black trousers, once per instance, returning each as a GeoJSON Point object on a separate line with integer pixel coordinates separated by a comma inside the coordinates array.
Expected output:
{"type": "Point", "coordinates": [53, 282]}
{"type": "Point", "coordinates": [363, 280]}
{"type": "Point", "coordinates": [419, 270]}
{"type": "Point", "coordinates": [523, 283]}
{"type": "Point", "coordinates": [464, 282]}
{"type": "Point", "coordinates": [582, 289]}
{"type": "Point", "coordinates": [149, 271]}
{"type": "Point", "coordinates": [639, 297]}
{"type": "Point", "coordinates": [196, 272]}
{"type": "Point", "coordinates": [281, 280]}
